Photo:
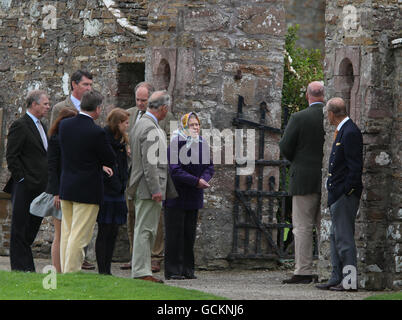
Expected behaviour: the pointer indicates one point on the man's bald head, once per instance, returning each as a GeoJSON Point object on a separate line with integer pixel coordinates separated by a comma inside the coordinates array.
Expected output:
{"type": "Point", "coordinates": [315, 92]}
{"type": "Point", "coordinates": [336, 110]}
{"type": "Point", "coordinates": [337, 106]}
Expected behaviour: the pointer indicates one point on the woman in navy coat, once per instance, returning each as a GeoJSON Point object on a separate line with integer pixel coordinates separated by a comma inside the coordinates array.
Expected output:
{"type": "Point", "coordinates": [191, 168]}
{"type": "Point", "coordinates": [113, 209]}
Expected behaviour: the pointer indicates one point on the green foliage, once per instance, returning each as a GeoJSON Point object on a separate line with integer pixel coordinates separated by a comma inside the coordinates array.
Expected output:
{"type": "Point", "coordinates": [301, 66]}
{"type": "Point", "coordinates": [89, 286]}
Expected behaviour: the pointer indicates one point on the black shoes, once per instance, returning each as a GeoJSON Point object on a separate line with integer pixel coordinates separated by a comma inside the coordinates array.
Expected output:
{"type": "Point", "coordinates": [325, 286]}
{"type": "Point", "coordinates": [175, 277]}
{"type": "Point", "coordinates": [340, 288]}
{"type": "Point", "coordinates": [301, 279]}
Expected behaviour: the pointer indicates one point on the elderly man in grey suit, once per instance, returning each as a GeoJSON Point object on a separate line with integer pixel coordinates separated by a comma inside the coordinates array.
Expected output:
{"type": "Point", "coordinates": [150, 182]}
{"type": "Point", "coordinates": [302, 144]}
{"type": "Point", "coordinates": [143, 91]}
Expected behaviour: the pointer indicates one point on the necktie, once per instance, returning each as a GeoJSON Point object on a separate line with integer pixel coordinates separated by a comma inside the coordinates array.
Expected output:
{"type": "Point", "coordinates": [335, 134]}
{"type": "Point", "coordinates": [42, 134]}
{"type": "Point", "coordinates": [139, 115]}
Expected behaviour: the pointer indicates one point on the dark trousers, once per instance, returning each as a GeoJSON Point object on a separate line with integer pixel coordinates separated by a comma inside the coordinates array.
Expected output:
{"type": "Point", "coordinates": [180, 228]}
{"type": "Point", "coordinates": [104, 246]}
{"type": "Point", "coordinates": [342, 242]}
{"type": "Point", "coordinates": [24, 228]}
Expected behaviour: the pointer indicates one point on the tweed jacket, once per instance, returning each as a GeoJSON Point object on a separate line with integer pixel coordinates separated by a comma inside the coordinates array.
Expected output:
{"type": "Point", "coordinates": [163, 124]}
{"type": "Point", "coordinates": [302, 144]}
{"type": "Point", "coordinates": [56, 109]}
{"type": "Point", "coordinates": [149, 165]}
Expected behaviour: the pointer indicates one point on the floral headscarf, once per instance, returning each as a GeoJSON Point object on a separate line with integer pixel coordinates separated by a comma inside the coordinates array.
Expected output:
{"type": "Point", "coordinates": [184, 131]}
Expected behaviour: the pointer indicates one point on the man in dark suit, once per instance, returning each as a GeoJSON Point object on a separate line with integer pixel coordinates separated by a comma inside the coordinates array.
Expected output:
{"type": "Point", "coordinates": [302, 144]}
{"type": "Point", "coordinates": [345, 187]}
{"type": "Point", "coordinates": [84, 150]}
{"type": "Point", "coordinates": [26, 159]}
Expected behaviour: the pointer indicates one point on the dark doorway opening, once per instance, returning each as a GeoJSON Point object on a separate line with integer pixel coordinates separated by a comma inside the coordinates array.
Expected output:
{"type": "Point", "coordinates": [129, 75]}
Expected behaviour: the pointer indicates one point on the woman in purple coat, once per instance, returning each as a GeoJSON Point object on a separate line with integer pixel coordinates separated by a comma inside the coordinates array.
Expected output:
{"type": "Point", "coordinates": [191, 168]}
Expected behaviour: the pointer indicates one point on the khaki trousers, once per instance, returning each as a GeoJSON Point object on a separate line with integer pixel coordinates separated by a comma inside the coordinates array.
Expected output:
{"type": "Point", "coordinates": [147, 215]}
{"type": "Point", "coordinates": [158, 248]}
{"type": "Point", "coordinates": [77, 226]}
{"type": "Point", "coordinates": [306, 214]}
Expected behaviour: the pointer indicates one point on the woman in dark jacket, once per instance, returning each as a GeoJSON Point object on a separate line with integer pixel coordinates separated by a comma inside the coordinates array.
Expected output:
{"type": "Point", "coordinates": [113, 210]}
{"type": "Point", "coordinates": [191, 168]}
{"type": "Point", "coordinates": [48, 202]}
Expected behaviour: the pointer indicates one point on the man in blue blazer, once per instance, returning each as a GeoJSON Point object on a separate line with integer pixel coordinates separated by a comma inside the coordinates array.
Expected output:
{"type": "Point", "coordinates": [344, 186]}
{"type": "Point", "coordinates": [84, 151]}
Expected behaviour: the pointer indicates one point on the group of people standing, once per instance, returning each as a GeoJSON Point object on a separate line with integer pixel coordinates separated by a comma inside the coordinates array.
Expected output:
{"type": "Point", "coordinates": [81, 174]}
{"type": "Point", "coordinates": [302, 144]}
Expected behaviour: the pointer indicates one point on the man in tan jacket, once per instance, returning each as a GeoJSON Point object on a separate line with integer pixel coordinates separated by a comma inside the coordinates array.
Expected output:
{"type": "Point", "coordinates": [80, 82]}
{"type": "Point", "coordinates": [143, 91]}
{"type": "Point", "coordinates": [150, 182]}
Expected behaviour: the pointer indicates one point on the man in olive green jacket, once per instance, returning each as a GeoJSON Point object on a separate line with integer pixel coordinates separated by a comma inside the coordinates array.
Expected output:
{"type": "Point", "coordinates": [302, 144]}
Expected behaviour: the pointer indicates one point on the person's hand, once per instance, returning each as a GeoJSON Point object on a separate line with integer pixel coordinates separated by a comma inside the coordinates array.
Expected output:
{"type": "Point", "coordinates": [56, 202]}
{"type": "Point", "coordinates": [157, 197]}
{"type": "Point", "coordinates": [202, 184]}
{"type": "Point", "coordinates": [128, 151]}
{"type": "Point", "coordinates": [108, 171]}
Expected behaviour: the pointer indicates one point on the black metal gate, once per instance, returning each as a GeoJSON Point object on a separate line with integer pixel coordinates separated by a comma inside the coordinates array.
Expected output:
{"type": "Point", "coordinates": [262, 227]}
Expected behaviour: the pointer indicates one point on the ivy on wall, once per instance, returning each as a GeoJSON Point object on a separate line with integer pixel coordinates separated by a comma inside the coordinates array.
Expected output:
{"type": "Point", "coordinates": [301, 66]}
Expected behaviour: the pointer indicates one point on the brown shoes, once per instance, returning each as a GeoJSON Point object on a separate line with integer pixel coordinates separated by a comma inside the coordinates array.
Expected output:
{"type": "Point", "coordinates": [150, 278]}
{"type": "Point", "coordinates": [156, 266]}
{"type": "Point", "coordinates": [126, 266]}
{"type": "Point", "coordinates": [87, 266]}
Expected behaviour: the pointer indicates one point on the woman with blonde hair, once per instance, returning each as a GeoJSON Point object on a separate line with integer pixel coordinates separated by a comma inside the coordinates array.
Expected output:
{"type": "Point", "coordinates": [113, 210]}
{"type": "Point", "coordinates": [48, 202]}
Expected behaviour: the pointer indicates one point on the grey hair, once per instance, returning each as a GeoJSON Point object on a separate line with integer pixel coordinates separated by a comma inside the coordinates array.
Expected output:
{"type": "Point", "coordinates": [337, 106]}
{"type": "Point", "coordinates": [34, 95]}
{"type": "Point", "coordinates": [160, 100]}
{"type": "Point", "coordinates": [146, 85]}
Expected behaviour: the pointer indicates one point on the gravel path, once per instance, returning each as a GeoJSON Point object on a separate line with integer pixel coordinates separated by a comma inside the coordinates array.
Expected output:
{"type": "Point", "coordinates": [237, 284]}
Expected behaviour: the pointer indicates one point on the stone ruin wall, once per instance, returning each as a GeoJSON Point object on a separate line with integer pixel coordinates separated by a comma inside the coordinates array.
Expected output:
{"type": "Point", "coordinates": [364, 67]}
{"type": "Point", "coordinates": [210, 41]}
{"type": "Point", "coordinates": [38, 51]}
{"type": "Point", "coordinates": [205, 44]}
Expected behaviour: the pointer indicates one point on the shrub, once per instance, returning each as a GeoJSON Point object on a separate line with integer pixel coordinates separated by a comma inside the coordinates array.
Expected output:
{"type": "Point", "coordinates": [301, 66]}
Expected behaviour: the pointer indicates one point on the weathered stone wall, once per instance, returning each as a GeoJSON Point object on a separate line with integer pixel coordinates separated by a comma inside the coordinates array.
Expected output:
{"type": "Point", "coordinates": [43, 42]}
{"type": "Point", "coordinates": [195, 50]}
{"type": "Point", "coordinates": [362, 67]}
{"type": "Point", "coordinates": [310, 15]}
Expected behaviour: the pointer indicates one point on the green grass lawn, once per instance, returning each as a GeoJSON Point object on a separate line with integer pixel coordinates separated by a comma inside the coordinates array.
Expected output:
{"type": "Point", "coordinates": [88, 286]}
{"type": "Point", "coordinates": [388, 296]}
